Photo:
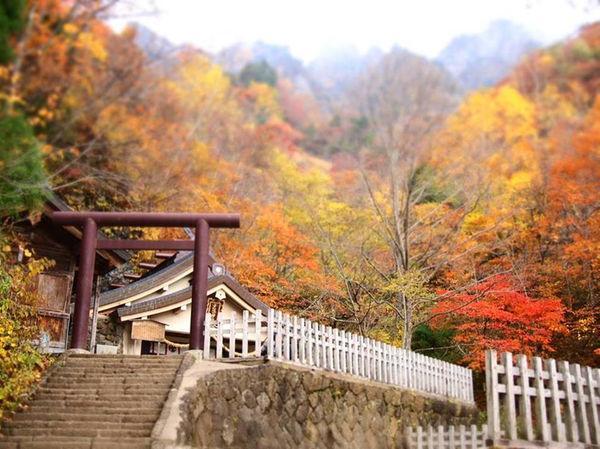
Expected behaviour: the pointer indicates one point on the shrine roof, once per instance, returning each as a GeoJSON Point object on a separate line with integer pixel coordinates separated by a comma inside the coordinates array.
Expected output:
{"type": "Point", "coordinates": [185, 294]}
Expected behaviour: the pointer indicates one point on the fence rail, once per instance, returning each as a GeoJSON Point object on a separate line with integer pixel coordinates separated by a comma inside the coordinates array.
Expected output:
{"type": "Point", "coordinates": [461, 437]}
{"type": "Point", "coordinates": [298, 340]}
{"type": "Point", "coordinates": [542, 400]}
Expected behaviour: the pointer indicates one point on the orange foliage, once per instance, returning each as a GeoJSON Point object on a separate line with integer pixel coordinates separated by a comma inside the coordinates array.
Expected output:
{"type": "Point", "coordinates": [495, 314]}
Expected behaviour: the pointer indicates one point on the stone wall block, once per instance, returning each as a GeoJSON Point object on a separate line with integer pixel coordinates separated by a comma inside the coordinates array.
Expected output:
{"type": "Point", "coordinates": [281, 406]}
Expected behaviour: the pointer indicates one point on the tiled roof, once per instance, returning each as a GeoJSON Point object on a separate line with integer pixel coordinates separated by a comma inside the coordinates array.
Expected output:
{"type": "Point", "coordinates": [182, 295]}
{"type": "Point", "coordinates": [148, 283]}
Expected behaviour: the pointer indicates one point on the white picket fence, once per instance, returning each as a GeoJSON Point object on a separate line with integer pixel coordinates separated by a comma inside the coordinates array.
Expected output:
{"type": "Point", "coordinates": [542, 400]}
{"type": "Point", "coordinates": [461, 437]}
{"type": "Point", "coordinates": [301, 341]}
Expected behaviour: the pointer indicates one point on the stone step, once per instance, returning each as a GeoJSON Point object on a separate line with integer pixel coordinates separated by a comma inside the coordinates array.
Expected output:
{"type": "Point", "coordinates": [34, 426]}
{"type": "Point", "coordinates": [117, 398]}
{"type": "Point", "coordinates": [100, 403]}
{"type": "Point", "coordinates": [125, 357]}
{"type": "Point", "coordinates": [78, 431]}
{"type": "Point", "coordinates": [80, 415]}
{"type": "Point", "coordinates": [118, 372]}
{"type": "Point", "coordinates": [50, 442]}
{"type": "Point", "coordinates": [109, 380]}
{"type": "Point", "coordinates": [77, 388]}
{"type": "Point", "coordinates": [92, 410]}
{"type": "Point", "coordinates": [126, 365]}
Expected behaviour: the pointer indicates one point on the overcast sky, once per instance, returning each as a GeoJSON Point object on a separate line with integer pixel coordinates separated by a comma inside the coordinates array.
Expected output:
{"type": "Point", "coordinates": [309, 27]}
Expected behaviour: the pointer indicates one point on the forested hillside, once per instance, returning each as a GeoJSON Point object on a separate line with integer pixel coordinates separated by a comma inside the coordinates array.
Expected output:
{"type": "Point", "coordinates": [406, 212]}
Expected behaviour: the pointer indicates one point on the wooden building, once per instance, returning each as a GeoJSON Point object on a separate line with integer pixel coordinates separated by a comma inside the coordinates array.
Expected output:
{"type": "Point", "coordinates": [153, 313]}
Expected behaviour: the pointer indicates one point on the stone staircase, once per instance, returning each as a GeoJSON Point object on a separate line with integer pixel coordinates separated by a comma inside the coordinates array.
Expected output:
{"type": "Point", "coordinates": [94, 401]}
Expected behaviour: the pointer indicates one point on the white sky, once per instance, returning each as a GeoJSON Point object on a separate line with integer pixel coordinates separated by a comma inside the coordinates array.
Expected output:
{"type": "Point", "coordinates": [309, 27]}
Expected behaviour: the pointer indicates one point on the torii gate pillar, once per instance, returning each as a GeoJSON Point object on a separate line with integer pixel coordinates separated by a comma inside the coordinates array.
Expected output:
{"type": "Point", "coordinates": [91, 221]}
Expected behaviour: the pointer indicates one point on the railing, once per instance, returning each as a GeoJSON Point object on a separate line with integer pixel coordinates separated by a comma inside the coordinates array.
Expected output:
{"type": "Point", "coordinates": [461, 437]}
{"type": "Point", "coordinates": [307, 343]}
{"type": "Point", "coordinates": [542, 400]}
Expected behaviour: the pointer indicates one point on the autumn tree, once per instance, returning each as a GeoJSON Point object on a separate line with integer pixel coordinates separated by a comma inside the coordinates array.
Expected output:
{"type": "Point", "coordinates": [404, 100]}
{"type": "Point", "coordinates": [497, 314]}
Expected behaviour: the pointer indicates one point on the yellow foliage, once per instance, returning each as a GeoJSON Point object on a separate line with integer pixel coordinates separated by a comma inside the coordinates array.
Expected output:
{"type": "Point", "coordinates": [93, 44]}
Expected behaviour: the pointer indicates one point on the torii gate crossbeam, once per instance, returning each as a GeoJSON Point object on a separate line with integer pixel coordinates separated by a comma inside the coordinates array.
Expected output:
{"type": "Point", "coordinates": [89, 223]}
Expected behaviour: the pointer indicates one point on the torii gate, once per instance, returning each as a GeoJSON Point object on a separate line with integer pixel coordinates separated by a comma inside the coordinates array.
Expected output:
{"type": "Point", "coordinates": [91, 221]}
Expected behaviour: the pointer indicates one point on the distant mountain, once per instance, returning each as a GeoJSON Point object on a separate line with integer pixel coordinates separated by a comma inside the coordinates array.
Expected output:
{"type": "Point", "coordinates": [155, 46]}
{"type": "Point", "coordinates": [337, 69]}
{"type": "Point", "coordinates": [483, 59]}
{"type": "Point", "coordinates": [234, 58]}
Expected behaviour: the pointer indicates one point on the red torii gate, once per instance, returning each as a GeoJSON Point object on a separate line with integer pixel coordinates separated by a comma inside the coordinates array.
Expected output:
{"type": "Point", "coordinates": [91, 221]}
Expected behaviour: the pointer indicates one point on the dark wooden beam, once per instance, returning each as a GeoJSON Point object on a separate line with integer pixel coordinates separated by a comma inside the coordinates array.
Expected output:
{"type": "Point", "coordinates": [147, 219]}
{"type": "Point", "coordinates": [182, 245]}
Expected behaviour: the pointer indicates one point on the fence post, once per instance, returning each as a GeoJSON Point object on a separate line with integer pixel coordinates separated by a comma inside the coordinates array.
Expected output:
{"type": "Point", "coordinates": [279, 335]}
{"type": "Point", "coordinates": [317, 339]}
{"type": "Point", "coordinates": [232, 323]}
{"type": "Point", "coordinates": [270, 334]}
{"type": "Point", "coordinates": [245, 333]}
{"type": "Point", "coordinates": [286, 337]}
{"type": "Point", "coordinates": [555, 410]}
{"type": "Point", "coordinates": [207, 329]}
{"type": "Point", "coordinates": [302, 342]}
{"type": "Point", "coordinates": [294, 338]}
{"type": "Point", "coordinates": [474, 436]}
{"type": "Point", "coordinates": [219, 351]}
{"type": "Point", "coordinates": [540, 399]}
{"type": "Point", "coordinates": [429, 437]}
{"type": "Point", "coordinates": [571, 418]}
{"type": "Point", "coordinates": [589, 371]}
{"type": "Point", "coordinates": [582, 420]}
{"type": "Point", "coordinates": [509, 395]}
{"type": "Point", "coordinates": [525, 403]}
{"type": "Point", "coordinates": [257, 333]}
{"type": "Point", "coordinates": [493, 399]}
{"type": "Point", "coordinates": [309, 332]}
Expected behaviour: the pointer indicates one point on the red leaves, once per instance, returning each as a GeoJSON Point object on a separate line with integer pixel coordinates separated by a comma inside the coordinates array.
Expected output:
{"type": "Point", "coordinates": [495, 314]}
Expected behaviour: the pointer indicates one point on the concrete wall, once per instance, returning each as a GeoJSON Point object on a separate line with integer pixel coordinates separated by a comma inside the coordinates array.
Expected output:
{"type": "Point", "coordinates": [275, 406]}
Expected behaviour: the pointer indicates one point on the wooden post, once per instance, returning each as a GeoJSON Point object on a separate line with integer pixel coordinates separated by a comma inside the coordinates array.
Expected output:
{"type": "Point", "coordinates": [232, 342]}
{"type": "Point", "coordinates": [540, 399]}
{"type": "Point", "coordinates": [219, 350]}
{"type": "Point", "coordinates": [303, 341]}
{"type": "Point", "coordinates": [286, 334]}
{"type": "Point", "coordinates": [85, 279]}
{"type": "Point", "coordinates": [474, 436]}
{"type": "Point", "coordinates": [493, 399]}
{"type": "Point", "coordinates": [206, 347]}
{"type": "Point", "coordinates": [270, 334]}
{"type": "Point", "coordinates": [245, 333]}
{"type": "Point", "coordinates": [525, 403]}
{"type": "Point", "coordinates": [310, 340]}
{"type": "Point", "coordinates": [430, 438]}
{"type": "Point", "coordinates": [199, 284]}
{"type": "Point", "coordinates": [555, 410]}
{"type": "Point", "coordinates": [593, 398]}
{"type": "Point", "coordinates": [294, 354]}
{"type": "Point", "coordinates": [95, 316]}
{"type": "Point", "coordinates": [257, 333]}
{"type": "Point", "coordinates": [582, 418]}
{"type": "Point", "coordinates": [509, 396]}
{"type": "Point", "coordinates": [571, 414]}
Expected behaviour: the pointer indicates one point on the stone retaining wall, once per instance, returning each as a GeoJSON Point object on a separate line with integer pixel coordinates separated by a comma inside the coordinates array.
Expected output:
{"type": "Point", "coordinates": [275, 406]}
